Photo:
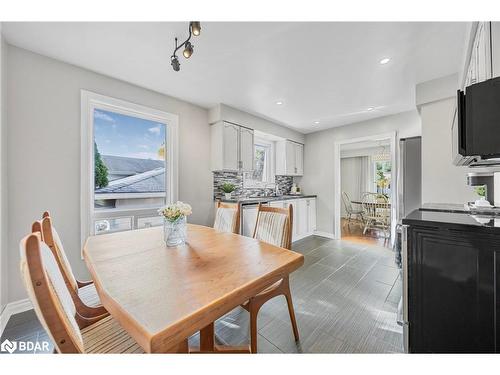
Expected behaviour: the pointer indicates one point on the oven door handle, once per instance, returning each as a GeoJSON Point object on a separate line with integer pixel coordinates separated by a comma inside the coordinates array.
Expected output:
{"type": "Point", "coordinates": [404, 260]}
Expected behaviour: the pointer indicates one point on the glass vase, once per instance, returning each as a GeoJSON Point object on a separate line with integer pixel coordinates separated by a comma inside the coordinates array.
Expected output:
{"type": "Point", "coordinates": [175, 232]}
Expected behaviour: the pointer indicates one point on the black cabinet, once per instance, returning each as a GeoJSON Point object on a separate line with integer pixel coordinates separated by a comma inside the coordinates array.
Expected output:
{"type": "Point", "coordinates": [453, 288]}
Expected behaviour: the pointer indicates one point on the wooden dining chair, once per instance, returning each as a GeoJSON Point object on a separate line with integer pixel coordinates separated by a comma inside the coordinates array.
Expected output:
{"type": "Point", "coordinates": [83, 293]}
{"type": "Point", "coordinates": [377, 212]}
{"type": "Point", "coordinates": [227, 217]}
{"type": "Point", "coordinates": [274, 225]}
{"type": "Point", "coordinates": [358, 213]}
{"type": "Point", "coordinates": [56, 311]}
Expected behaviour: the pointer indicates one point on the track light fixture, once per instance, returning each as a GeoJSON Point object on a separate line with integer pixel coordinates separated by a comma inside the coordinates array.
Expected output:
{"type": "Point", "coordinates": [188, 50]}
{"type": "Point", "coordinates": [176, 65]}
{"type": "Point", "coordinates": [194, 29]}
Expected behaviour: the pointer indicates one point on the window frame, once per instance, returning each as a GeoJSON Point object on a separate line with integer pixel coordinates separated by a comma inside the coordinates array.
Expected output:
{"type": "Point", "coordinates": [270, 165]}
{"type": "Point", "coordinates": [91, 101]}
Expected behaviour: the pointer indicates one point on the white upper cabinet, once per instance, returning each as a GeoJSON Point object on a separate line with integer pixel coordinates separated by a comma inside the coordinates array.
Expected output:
{"type": "Point", "coordinates": [495, 48]}
{"type": "Point", "coordinates": [289, 158]}
{"type": "Point", "coordinates": [246, 149]}
{"type": "Point", "coordinates": [299, 159]}
{"type": "Point", "coordinates": [231, 147]}
{"type": "Point", "coordinates": [484, 62]}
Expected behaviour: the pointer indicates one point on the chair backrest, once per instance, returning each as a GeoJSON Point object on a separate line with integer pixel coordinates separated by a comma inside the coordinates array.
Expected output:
{"type": "Point", "coordinates": [49, 295]}
{"type": "Point", "coordinates": [376, 206]}
{"type": "Point", "coordinates": [347, 202]}
{"type": "Point", "coordinates": [274, 225]}
{"type": "Point", "coordinates": [53, 241]}
{"type": "Point", "coordinates": [227, 217]}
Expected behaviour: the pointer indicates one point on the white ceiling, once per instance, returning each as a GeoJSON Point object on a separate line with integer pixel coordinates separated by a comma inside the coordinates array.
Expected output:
{"type": "Point", "coordinates": [327, 72]}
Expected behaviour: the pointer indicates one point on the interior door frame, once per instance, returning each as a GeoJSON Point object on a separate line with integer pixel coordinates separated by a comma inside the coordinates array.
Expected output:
{"type": "Point", "coordinates": [337, 183]}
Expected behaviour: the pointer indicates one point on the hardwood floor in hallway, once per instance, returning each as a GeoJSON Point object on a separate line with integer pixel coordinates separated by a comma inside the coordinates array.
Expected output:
{"type": "Point", "coordinates": [353, 232]}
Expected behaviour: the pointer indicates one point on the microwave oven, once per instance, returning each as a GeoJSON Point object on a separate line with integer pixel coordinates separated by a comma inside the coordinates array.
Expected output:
{"type": "Point", "coordinates": [476, 125]}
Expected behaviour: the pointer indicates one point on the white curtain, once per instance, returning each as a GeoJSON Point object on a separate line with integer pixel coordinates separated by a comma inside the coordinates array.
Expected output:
{"type": "Point", "coordinates": [356, 177]}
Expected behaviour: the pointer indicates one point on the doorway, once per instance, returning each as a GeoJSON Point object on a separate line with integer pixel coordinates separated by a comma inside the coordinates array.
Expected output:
{"type": "Point", "coordinates": [365, 189]}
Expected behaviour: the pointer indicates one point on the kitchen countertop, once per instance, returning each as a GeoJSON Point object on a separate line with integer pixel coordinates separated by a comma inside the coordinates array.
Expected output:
{"type": "Point", "coordinates": [460, 208]}
{"type": "Point", "coordinates": [453, 220]}
{"type": "Point", "coordinates": [253, 200]}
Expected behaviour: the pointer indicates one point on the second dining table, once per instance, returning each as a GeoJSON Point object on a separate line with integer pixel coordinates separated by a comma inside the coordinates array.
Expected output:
{"type": "Point", "coordinates": [162, 295]}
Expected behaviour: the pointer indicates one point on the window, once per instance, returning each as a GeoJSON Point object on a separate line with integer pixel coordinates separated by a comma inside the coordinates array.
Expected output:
{"type": "Point", "coordinates": [263, 174]}
{"type": "Point", "coordinates": [382, 175]}
{"type": "Point", "coordinates": [128, 164]}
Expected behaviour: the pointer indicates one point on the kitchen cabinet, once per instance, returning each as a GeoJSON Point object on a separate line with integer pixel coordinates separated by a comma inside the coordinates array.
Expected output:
{"type": "Point", "coordinates": [304, 217]}
{"type": "Point", "coordinates": [479, 68]}
{"type": "Point", "coordinates": [311, 215]}
{"type": "Point", "coordinates": [232, 147]}
{"type": "Point", "coordinates": [484, 59]}
{"type": "Point", "coordinates": [246, 149]}
{"type": "Point", "coordinates": [453, 280]}
{"type": "Point", "coordinates": [296, 217]}
{"type": "Point", "coordinates": [289, 158]}
{"type": "Point", "coordinates": [495, 48]}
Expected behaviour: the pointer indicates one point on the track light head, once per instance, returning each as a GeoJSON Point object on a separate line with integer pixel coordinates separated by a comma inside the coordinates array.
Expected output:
{"type": "Point", "coordinates": [188, 50]}
{"type": "Point", "coordinates": [176, 65]}
{"type": "Point", "coordinates": [195, 27]}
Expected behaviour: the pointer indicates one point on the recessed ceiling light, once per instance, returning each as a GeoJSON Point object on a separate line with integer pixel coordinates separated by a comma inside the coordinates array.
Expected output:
{"type": "Point", "coordinates": [369, 109]}
{"type": "Point", "coordinates": [279, 102]}
{"type": "Point", "coordinates": [385, 60]}
{"type": "Point", "coordinates": [316, 122]}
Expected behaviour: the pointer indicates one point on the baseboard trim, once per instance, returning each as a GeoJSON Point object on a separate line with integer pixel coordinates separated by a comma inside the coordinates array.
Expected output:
{"type": "Point", "coordinates": [324, 234]}
{"type": "Point", "coordinates": [13, 308]}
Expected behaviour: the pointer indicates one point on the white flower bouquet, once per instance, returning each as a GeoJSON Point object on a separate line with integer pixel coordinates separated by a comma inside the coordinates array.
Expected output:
{"type": "Point", "coordinates": [174, 226]}
{"type": "Point", "coordinates": [175, 211]}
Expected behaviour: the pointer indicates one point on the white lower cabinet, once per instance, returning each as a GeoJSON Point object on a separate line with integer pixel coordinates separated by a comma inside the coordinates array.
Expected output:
{"type": "Point", "coordinates": [311, 215]}
{"type": "Point", "coordinates": [304, 217]}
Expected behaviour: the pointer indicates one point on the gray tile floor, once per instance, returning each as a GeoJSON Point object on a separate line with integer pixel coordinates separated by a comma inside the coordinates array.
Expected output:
{"type": "Point", "coordinates": [345, 299]}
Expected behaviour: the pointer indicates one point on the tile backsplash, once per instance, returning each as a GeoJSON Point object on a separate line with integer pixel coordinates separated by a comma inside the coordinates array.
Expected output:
{"type": "Point", "coordinates": [284, 184]}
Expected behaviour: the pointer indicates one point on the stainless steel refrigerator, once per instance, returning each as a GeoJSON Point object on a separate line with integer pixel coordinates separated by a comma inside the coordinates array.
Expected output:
{"type": "Point", "coordinates": [409, 176]}
{"type": "Point", "coordinates": [409, 199]}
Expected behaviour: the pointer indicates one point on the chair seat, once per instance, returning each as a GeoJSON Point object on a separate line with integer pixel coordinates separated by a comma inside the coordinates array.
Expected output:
{"type": "Point", "coordinates": [357, 212]}
{"type": "Point", "coordinates": [88, 295]}
{"type": "Point", "coordinates": [107, 336]}
{"type": "Point", "coordinates": [269, 289]}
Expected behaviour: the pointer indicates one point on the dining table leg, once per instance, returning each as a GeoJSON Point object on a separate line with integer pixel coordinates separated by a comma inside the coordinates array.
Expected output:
{"type": "Point", "coordinates": [207, 338]}
{"type": "Point", "coordinates": [182, 347]}
{"type": "Point", "coordinates": [208, 345]}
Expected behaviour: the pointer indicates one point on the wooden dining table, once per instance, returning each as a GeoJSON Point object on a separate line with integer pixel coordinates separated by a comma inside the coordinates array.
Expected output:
{"type": "Point", "coordinates": [162, 295]}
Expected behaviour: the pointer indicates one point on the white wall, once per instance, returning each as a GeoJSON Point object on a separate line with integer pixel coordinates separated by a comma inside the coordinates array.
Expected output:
{"type": "Point", "coordinates": [226, 113]}
{"type": "Point", "coordinates": [318, 160]}
{"type": "Point", "coordinates": [355, 179]}
{"type": "Point", "coordinates": [43, 107]}
{"type": "Point", "coordinates": [442, 182]}
{"type": "Point", "coordinates": [3, 181]}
